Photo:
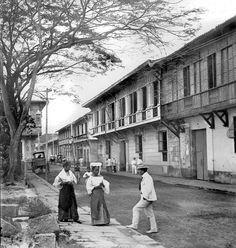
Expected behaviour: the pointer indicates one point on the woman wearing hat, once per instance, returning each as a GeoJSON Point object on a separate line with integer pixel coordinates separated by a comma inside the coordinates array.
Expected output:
{"type": "Point", "coordinates": [96, 186]}
{"type": "Point", "coordinates": [148, 196]}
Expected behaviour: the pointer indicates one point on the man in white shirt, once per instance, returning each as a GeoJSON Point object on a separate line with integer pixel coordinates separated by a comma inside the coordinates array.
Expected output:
{"type": "Point", "coordinates": [134, 166]}
{"type": "Point", "coordinates": [148, 196]}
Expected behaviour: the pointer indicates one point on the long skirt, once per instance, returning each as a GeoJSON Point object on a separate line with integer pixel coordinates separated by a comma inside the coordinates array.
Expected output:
{"type": "Point", "coordinates": [67, 207]}
{"type": "Point", "coordinates": [99, 211]}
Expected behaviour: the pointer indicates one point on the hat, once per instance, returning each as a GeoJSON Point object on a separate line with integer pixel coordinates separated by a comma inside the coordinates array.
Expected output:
{"type": "Point", "coordinates": [142, 166]}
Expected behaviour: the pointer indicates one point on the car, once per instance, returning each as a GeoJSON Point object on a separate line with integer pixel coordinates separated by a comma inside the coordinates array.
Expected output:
{"type": "Point", "coordinates": [38, 161]}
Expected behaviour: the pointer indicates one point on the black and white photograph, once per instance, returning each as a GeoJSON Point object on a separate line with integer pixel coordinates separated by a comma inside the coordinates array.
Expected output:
{"type": "Point", "coordinates": [117, 124]}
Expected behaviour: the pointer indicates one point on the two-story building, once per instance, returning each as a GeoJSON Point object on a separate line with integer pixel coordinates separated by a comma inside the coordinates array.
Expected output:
{"type": "Point", "coordinates": [85, 146]}
{"type": "Point", "coordinates": [123, 117]}
{"type": "Point", "coordinates": [76, 141]}
{"type": "Point", "coordinates": [198, 106]}
{"type": "Point", "coordinates": [178, 113]}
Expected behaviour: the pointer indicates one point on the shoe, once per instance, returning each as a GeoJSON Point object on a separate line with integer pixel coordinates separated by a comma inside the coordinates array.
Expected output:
{"type": "Point", "coordinates": [152, 231]}
{"type": "Point", "coordinates": [132, 227]}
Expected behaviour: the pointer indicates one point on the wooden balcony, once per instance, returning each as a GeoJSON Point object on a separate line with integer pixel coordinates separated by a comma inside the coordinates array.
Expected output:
{"type": "Point", "coordinates": [135, 119]}
{"type": "Point", "coordinates": [221, 97]}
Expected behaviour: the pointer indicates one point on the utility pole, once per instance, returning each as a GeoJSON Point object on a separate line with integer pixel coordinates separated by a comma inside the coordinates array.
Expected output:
{"type": "Point", "coordinates": [46, 141]}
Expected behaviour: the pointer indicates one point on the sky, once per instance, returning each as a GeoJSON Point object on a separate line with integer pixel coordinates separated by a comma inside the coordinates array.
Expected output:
{"type": "Point", "coordinates": [62, 111]}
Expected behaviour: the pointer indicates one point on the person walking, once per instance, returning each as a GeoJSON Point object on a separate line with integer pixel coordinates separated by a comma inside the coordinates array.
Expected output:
{"type": "Point", "coordinates": [96, 187]}
{"type": "Point", "coordinates": [67, 206]}
{"type": "Point", "coordinates": [148, 196]}
{"type": "Point", "coordinates": [134, 166]}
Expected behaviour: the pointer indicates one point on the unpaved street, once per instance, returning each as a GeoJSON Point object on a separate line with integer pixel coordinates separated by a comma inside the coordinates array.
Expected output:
{"type": "Point", "coordinates": [187, 217]}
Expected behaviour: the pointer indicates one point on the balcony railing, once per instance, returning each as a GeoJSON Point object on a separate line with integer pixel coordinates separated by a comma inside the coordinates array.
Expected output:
{"type": "Point", "coordinates": [218, 97]}
{"type": "Point", "coordinates": [111, 125]}
{"type": "Point", "coordinates": [132, 118]}
{"type": "Point", "coordinates": [126, 121]}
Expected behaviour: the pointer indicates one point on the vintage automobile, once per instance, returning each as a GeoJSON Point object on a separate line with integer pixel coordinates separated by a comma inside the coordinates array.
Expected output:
{"type": "Point", "coordinates": [38, 161]}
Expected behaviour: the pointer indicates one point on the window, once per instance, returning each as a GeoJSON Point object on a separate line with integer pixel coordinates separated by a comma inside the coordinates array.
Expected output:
{"type": "Point", "coordinates": [103, 119]}
{"type": "Point", "coordinates": [211, 66]}
{"type": "Point", "coordinates": [108, 148]}
{"type": "Point", "coordinates": [227, 64]}
{"type": "Point", "coordinates": [234, 121]}
{"type": "Point", "coordinates": [122, 111]}
{"type": "Point", "coordinates": [97, 118]}
{"type": "Point", "coordinates": [133, 103]}
{"type": "Point", "coordinates": [197, 77]}
{"type": "Point", "coordinates": [186, 74]}
{"type": "Point", "coordinates": [139, 145]}
{"type": "Point", "coordinates": [144, 93]}
{"type": "Point", "coordinates": [155, 93]}
{"type": "Point", "coordinates": [133, 107]}
{"type": "Point", "coordinates": [111, 115]}
{"type": "Point", "coordinates": [162, 144]}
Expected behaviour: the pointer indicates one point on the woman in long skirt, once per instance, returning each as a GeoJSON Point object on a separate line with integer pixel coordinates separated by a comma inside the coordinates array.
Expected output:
{"type": "Point", "coordinates": [96, 186]}
{"type": "Point", "coordinates": [67, 206]}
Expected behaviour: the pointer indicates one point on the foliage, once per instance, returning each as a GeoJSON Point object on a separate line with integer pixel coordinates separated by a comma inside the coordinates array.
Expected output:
{"type": "Point", "coordinates": [54, 36]}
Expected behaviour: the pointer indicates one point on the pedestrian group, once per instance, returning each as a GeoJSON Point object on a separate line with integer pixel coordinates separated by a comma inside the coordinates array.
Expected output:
{"type": "Point", "coordinates": [96, 187]}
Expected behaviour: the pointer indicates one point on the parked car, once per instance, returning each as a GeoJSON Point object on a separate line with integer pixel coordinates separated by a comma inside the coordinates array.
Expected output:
{"type": "Point", "coordinates": [38, 161]}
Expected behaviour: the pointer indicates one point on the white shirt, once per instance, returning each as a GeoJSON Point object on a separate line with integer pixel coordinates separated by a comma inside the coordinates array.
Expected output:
{"type": "Point", "coordinates": [147, 188]}
{"type": "Point", "coordinates": [64, 176]}
{"type": "Point", "coordinates": [95, 181]}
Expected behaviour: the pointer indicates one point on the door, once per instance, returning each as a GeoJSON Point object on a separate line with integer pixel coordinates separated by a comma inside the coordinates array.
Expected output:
{"type": "Point", "coordinates": [199, 154]}
{"type": "Point", "coordinates": [123, 156]}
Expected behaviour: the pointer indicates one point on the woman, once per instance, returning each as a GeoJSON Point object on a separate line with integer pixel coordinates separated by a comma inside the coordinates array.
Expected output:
{"type": "Point", "coordinates": [96, 186]}
{"type": "Point", "coordinates": [67, 207]}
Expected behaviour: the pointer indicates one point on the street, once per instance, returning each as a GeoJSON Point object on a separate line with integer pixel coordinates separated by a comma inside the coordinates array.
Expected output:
{"type": "Point", "coordinates": [187, 217]}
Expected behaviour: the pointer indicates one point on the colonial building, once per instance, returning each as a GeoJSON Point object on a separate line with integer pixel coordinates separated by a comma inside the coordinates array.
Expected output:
{"type": "Point", "coordinates": [84, 144]}
{"type": "Point", "coordinates": [198, 106]}
{"type": "Point", "coordinates": [30, 136]}
{"type": "Point", "coordinates": [178, 114]}
{"type": "Point", "coordinates": [123, 117]}
{"type": "Point", "coordinates": [76, 142]}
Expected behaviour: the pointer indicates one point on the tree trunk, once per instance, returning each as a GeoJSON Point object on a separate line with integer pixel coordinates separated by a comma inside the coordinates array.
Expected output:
{"type": "Point", "coordinates": [13, 156]}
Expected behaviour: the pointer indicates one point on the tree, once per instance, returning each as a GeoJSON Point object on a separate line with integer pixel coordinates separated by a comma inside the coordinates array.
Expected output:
{"type": "Point", "coordinates": [42, 37]}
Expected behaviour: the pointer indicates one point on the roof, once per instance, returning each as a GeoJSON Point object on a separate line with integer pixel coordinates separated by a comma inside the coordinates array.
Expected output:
{"type": "Point", "coordinates": [119, 84]}
{"type": "Point", "coordinates": [201, 40]}
{"type": "Point", "coordinates": [204, 39]}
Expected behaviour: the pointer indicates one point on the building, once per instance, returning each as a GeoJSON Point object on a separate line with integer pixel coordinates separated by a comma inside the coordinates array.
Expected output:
{"type": "Point", "coordinates": [123, 116]}
{"type": "Point", "coordinates": [30, 135]}
{"type": "Point", "coordinates": [76, 142]}
{"type": "Point", "coordinates": [198, 106]}
{"type": "Point", "coordinates": [85, 146]}
{"type": "Point", "coordinates": [178, 114]}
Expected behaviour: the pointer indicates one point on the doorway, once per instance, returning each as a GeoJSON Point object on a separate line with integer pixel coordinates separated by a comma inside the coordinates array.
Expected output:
{"type": "Point", "coordinates": [199, 154]}
{"type": "Point", "coordinates": [122, 156]}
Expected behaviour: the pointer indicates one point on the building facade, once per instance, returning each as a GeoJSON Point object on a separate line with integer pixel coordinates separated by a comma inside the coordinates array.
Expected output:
{"type": "Point", "coordinates": [178, 114]}
{"type": "Point", "coordinates": [76, 142]}
{"type": "Point", "coordinates": [123, 116]}
{"type": "Point", "coordinates": [198, 106]}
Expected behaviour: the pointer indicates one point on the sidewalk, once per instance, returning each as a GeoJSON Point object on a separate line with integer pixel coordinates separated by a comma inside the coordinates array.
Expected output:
{"type": "Point", "coordinates": [191, 183]}
{"type": "Point", "coordinates": [85, 235]}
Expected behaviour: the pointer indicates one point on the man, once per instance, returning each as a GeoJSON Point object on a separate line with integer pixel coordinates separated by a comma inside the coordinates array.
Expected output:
{"type": "Point", "coordinates": [148, 196]}
{"type": "Point", "coordinates": [134, 166]}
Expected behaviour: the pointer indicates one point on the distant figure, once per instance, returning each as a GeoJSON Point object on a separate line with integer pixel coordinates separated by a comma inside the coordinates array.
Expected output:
{"type": "Point", "coordinates": [87, 174]}
{"type": "Point", "coordinates": [67, 207]}
{"type": "Point", "coordinates": [108, 165]}
{"type": "Point", "coordinates": [148, 196]}
{"type": "Point", "coordinates": [113, 165]}
{"type": "Point", "coordinates": [81, 162]}
{"type": "Point", "coordinates": [139, 161]}
{"type": "Point", "coordinates": [96, 186]}
{"type": "Point", "coordinates": [134, 166]}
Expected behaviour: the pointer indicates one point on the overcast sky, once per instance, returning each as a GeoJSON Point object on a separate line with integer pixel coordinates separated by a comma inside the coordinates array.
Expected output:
{"type": "Point", "coordinates": [62, 111]}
